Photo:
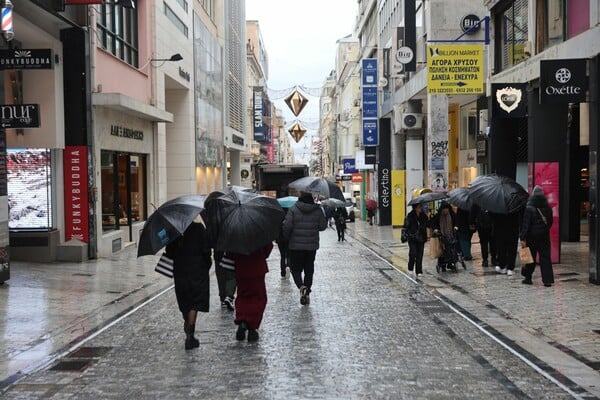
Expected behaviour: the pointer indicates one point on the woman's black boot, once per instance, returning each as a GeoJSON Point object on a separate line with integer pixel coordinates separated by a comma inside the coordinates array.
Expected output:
{"type": "Point", "coordinates": [190, 341]}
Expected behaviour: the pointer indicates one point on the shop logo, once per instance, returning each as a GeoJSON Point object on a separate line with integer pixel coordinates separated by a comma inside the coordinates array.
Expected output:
{"type": "Point", "coordinates": [563, 75]}
{"type": "Point", "coordinates": [22, 53]}
{"type": "Point", "coordinates": [509, 98]}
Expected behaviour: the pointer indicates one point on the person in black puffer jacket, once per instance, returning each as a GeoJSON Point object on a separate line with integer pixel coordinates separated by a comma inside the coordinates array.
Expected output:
{"type": "Point", "coordinates": [301, 228]}
{"type": "Point", "coordinates": [535, 233]}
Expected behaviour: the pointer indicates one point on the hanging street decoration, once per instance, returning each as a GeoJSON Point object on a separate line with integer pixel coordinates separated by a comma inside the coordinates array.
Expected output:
{"type": "Point", "coordinates": [296, 102]}
{"type": "Point", "coordinates": [297, 131]}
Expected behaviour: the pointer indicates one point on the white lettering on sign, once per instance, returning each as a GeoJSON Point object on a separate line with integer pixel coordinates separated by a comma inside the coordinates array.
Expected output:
{"type": "Point", "coordinates": [385, 188]}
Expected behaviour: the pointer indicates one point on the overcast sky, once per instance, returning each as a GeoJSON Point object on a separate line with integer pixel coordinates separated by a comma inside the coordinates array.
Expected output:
{"type": "Point", "coordinates": [300, 39]}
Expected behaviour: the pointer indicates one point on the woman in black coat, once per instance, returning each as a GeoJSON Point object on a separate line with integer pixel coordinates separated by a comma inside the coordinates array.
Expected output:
{"type": "Point", "coordinates": [416, 229]}
{"type": "Point", "coordinates": [191, 263]}
{"type": "Point", "coordinates": [535, 233]}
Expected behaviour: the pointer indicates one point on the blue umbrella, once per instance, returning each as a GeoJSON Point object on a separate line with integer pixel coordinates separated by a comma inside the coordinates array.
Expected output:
{"type": "Point", "coordinates": [288, 201]}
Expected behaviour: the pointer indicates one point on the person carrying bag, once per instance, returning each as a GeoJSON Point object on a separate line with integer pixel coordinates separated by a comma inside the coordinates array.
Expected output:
{"type": "Point", "coordinates": [416, 229]}
{"type": "Point", "coordinates": [535, 234]}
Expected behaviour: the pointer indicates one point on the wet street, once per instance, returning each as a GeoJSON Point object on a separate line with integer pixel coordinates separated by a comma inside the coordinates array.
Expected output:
{"type": "Point", "coordinates": [370, 332]}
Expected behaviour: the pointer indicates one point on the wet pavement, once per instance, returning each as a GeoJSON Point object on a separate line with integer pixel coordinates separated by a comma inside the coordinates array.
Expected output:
{"type": "Point", "coordinates": [370, 331]}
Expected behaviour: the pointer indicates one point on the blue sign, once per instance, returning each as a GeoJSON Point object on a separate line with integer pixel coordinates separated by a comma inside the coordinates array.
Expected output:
{"type": "Point", "coordinates": [349, 166]}
{"type": "Point", "coordinates": [369, 72]}
{"type": "Point", "coordinates": [370, 132]}
{"type": "Point", "coordinates": [369, 102]}
{"type": "Point", "coordinates": [258, 113]}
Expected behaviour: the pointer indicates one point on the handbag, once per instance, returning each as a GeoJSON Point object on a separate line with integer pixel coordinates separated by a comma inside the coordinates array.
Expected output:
{"type": "Point", "coordinates": [404, 235]}
{"type": "Point", "coordinates": [435, 248]}
{"type": "Point", "coordinates": [165, 266]}
{"type": "Point", "coordinates": [525, 255]}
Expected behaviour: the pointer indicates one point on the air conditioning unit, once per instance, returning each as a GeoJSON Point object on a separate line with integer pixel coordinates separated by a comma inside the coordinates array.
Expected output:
{"type": "Point", "coordinates": [411, 121]}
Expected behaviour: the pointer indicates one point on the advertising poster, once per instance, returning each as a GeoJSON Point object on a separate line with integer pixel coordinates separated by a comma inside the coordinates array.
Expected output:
{"type": "Point", "coordinates": [455, 69]}
{"type": "Point", "coordinates": [398, 197]}
{"type": "Point", "coordinates": [546, 175]}
{"type": "Point", "coordinates": [76, 193]}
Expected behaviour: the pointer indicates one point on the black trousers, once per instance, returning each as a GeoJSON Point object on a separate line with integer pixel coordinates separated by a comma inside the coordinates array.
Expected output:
{"type": "Point", "coordinates": [285, 257]}
{"type": "Point", "coordinates": [487, 243]}
{"type": "Point", "coordinates": [415, 255]}
{"type": "Point", "coordinates": [303, 261]}
{"type": "Point", "coordinates": [341, 229]}
{"type": "Point", "coordinates": [539, 244]}
{"type": "Point", "coordinates": [506, 244]}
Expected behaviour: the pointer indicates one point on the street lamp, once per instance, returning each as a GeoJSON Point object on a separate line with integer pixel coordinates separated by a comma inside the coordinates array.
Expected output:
{"type": "Point", "coordinates": [174, 57]}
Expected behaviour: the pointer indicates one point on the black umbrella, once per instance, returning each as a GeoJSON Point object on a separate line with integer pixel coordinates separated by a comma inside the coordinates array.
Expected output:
{"type": "Point", "coordinates": [243, 221]}
{"type": "Point", "coordinates": [319, 186]}
{"type": "Point", "coordinates": [461, 198]}
{"type": "Point", "coordinates": [498, 194]}
{"type": "Point", "coordinates": [334, 203]}
{"type": "Point", "coordinates": [427, 197]}
{"type": "Point", "coordinates": [168, 222]}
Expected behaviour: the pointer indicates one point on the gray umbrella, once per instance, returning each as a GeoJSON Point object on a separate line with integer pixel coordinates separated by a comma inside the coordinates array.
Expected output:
{"type": "Point", "coordinates": [461, 198]}
{"type": "Point", "coordinates": [427, 197]}
{"type": "Point", "coordinates": [319, 186]}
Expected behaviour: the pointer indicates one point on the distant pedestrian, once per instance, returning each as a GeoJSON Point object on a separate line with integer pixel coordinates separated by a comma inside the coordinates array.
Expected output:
{"type": "Point", "coordinates": [301, 227]}
{"type": "Point", "coordinates": [444, 226]}
{"type": "Point", "coordinates": [284, 252]}
{"type": "Point", "coordinates": [250, 271]}
{"type": "Point", "coordinates": [340, 223]}
{"type": "Point", "coordinates": [191, 264]}
{"type": "Point", "coordinates": [535, 233]}
{"type": "Point", "coordinates": [485, 230]}
{"type": "Point", "coordinates": [466, 227]}
{"type": "Point", "coordinates": [416, 227]}
{"type": "Point", "coordinates": [370, 216]}
{"type": "Point", "coordinates": [225, 272]}
{"type": "Point", "coordinates": [506, 233]}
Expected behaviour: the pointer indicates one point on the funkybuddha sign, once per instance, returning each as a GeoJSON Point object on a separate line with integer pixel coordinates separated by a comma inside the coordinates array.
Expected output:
{"type": "Point", "coordinates": [455, 69]}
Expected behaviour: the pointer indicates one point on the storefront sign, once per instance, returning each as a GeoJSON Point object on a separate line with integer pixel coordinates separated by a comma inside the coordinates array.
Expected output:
{"type": "Point", "coordinates": [237, 139]}
{"type": "Point", "coordinates": [129, 133]}
{"type": "Point", "coordinates": [370, 155]}
{"type": "Point", "coordinates": [257, 107]}
{"type": "Point", "coordinates": [455, 69]}
{"type": "Point", "coordinates": [76, 193]}
{"type": "Point", "coordinates": [349, 165]}
{"type": "Point", "coordinates": [357, 178]}
{"type": "Point", "coordinates": [26, 59]}
{"type": "Point", "coordinates": [384, 175]}
{"type": "Point", "coordinates": [481, 147]}
{"type": "Point", "coordinates": [470, 24]}
{"type": "Point", "coordinates": [563, 81]}
{"type": "Point", "coordinates": [546, 175]}
{"type": "Point", "coordinates": [184, 74]}
{"type": "Point", "coordinates": [370, 80]}
{"type": "Point", "coordinates": [19, 115]}
{"type": "Point", "coordinates": [346, 177]}
{"type": "Point", "coordinates": [3, 168]}
{"type": "Point", "coordinates": [509, 99]}
{"type": "Point", "coordinates": [360, 160]}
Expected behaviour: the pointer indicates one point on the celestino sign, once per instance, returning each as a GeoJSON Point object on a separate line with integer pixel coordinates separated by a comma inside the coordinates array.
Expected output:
{"type": "Point", "coordinates": [563, 81]}
{"type": "Point", "coordinates": [76, 193]}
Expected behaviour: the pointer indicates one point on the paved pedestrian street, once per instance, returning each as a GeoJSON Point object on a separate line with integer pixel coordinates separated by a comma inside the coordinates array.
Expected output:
{"type": "Point", "coordinates": [369, 333]}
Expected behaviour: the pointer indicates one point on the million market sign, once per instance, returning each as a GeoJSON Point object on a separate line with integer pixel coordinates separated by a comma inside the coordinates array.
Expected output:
{"type": "Point", "coordinates": [26, 59]}
{"type": "Point", "coordinates": [455, 69]}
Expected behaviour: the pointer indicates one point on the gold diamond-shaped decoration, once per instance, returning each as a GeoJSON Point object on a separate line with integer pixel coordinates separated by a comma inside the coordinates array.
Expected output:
{"type": "Point", "coordinates": [297, 131]}
{"type": "Point", "coordinates": [296, 102]}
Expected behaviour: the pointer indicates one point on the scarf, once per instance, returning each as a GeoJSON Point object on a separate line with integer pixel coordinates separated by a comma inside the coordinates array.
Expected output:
{"type": "Point", "coordinates": [446, 225]}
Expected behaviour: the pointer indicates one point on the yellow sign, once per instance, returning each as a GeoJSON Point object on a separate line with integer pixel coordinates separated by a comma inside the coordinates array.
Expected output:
{"type": "Point", "coordinates": [398, 197]}
{"type": "Point", "coordinates": [455, 69]}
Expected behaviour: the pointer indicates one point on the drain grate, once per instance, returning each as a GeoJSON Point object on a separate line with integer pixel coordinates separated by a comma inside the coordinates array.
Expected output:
{"type": "Point", "coordinates": [82, 274]}
{"type": "Point", "coordinates": [89, 352]}
{"type": "Point", "coordinates": [113, 292]}
{"type": "Point", "coordinates": [432, 307]}
{"type": "Point", "coordinates": [568, 273]}
{"type": "Point", "coordinates": [72, 365]}
{"type": "Point", "coordinates": [570, 280]}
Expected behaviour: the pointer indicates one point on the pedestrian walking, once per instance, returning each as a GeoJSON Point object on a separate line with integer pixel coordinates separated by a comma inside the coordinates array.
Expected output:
{"type": "Point", "coordinates": [225, 272]}
{"type": "Point", "coordinates": [250, 271]}
{"type": "Point", "coordinates": [340, 223]}
{"type": "Point", "coordinates": [466, 227]}
{"type": "Point", "coordinates": [282, 244]}
{"type": "Point", "coordinates": [535, 234]}
{"type": "Point", "coordinates": [416, 227]}
{"type": "Point", "coordinates": [191, 263]}
{"type": "Point", "coordinates": [444, 226]}
{"type": "Point", "coordinates": [485, 230]}
{"type": "Point", "coordinates": [301, 227]}
{"type": "Point", "coordinates": [506, 233]}
{"type": "Point", "coordinates": [370, 215]}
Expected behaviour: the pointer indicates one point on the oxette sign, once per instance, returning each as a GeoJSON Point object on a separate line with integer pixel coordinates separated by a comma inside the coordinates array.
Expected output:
{"type": "Point", "coordinates": [26, 59]}
{"type": "Point", "coordinates": [76, 193]}
{"type": "Point", "coordinates": [563, 81]}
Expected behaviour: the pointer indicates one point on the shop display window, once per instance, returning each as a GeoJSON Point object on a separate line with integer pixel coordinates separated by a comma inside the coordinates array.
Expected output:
{"type": "Point", "coordinates": [29, 189]}
{"type": "Point", "coordinates": [123, 180]}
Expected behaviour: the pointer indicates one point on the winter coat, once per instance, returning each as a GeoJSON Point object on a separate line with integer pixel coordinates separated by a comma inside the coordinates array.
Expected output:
{"type": "Point", "coordinates": [302, 224]}
{"type": "Point", "coordinates": [483, 219]}
{"type": "Point", "coordinates": [463, 220]}
{"type": "Point", "coordinates": [533, 224]}
{"type": "Point", "coordinates": [416, 226]}
{"type": "Point", "coordinates": [252, 265]}
{"type": "Point", "coordinates": [191, 248]}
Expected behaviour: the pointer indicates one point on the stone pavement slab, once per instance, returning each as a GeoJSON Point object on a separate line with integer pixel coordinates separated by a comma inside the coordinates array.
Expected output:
{"type": "Point", "coordinates": [369, 332]}
{"type": "Point", "coordinates": [557, 326]}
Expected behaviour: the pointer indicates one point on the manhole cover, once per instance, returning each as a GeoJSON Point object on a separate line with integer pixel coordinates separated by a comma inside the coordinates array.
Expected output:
{"type": "Point", "coordinates": [72, 365]}
{"type": "Point", "coordinates": [89, 352]}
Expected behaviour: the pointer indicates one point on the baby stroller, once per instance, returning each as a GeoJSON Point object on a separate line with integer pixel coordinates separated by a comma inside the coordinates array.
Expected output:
{"type": "Point", "coordinates": [450, 256]}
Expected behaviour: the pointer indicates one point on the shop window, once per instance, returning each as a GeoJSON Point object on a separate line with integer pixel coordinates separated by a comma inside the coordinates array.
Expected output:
{"type": "Point", "coordinates": [179, 24]}
{"type": "Point", "coordinates": [511, 25]}
{"type": "Point", "coordinates": [118, 31]}
{"type": "Point", "coordinates": [550, 24]}
{"type": "Point", "coordinates": [29, 189]}
{"type": "Point", "coordinates": [123, 180]}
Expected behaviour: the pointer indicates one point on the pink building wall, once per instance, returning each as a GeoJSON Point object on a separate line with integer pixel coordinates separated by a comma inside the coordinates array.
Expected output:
{"type": "Point", "coordinates": [578, 17]}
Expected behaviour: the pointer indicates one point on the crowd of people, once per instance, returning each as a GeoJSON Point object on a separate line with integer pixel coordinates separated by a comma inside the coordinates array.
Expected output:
{"type": "Point", "coordinates": [499, 236]}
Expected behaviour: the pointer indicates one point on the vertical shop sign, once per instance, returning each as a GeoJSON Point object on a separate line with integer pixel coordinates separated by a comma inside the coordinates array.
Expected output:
{"type": "Point", "coordinates": [546, 175]}
{"type": "Point", "coordinates": [370, 78]}
{"type": "Point", "coordinates": [257, 110]}
{"type": "Point", "coordinates": [76, 193]}
{"type": "Point", "coordinates": [398, 197]}
{"type": "Point", "coordinates": [384, 175]}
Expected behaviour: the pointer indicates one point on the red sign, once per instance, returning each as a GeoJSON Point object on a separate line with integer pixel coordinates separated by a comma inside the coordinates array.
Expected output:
{"type": "Point", "coordinates": [357, 178]}
{"type": "Point", "coordinates": [76, 193]}
{"type": "Point", "coordinates": [546, 175]}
